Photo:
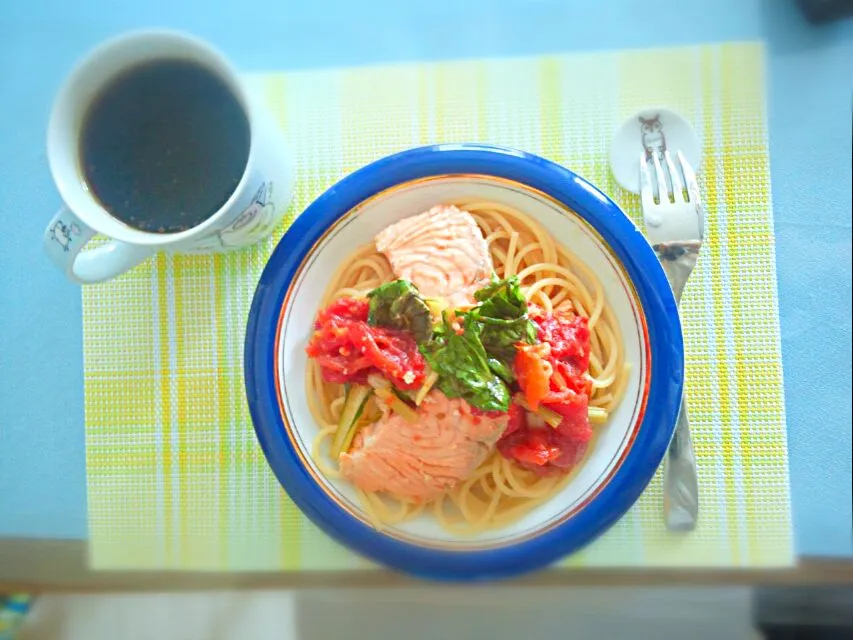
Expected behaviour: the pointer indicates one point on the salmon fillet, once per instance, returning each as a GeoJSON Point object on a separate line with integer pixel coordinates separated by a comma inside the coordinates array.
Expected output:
{"type": "Point", "coordinates": [421, 461]}
{"type": "Point", "coordinates": [441, 251]}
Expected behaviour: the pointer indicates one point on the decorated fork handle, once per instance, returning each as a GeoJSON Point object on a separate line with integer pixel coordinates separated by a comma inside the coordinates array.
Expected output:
{"type": "Point", "coordinates": [681, 484]}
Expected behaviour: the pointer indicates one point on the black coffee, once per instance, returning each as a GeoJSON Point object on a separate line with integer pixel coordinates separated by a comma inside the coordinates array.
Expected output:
{"type": "Point", "coordinates": [164, 145]}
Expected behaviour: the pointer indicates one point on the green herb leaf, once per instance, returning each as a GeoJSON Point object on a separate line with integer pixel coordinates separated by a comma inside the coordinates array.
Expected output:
{"type": "Point", "coordinates": [398, 305]}
{"type": "Point", "coordinates": [476, 365]}
{"type": "Point", "coordinates": [463, 367]}
{"type": "Point", "coordinates": [502, 315]}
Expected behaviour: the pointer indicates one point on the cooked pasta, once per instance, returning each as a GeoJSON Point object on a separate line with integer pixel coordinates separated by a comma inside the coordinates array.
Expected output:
{"type": "Point", "coordinates": [499, 491]}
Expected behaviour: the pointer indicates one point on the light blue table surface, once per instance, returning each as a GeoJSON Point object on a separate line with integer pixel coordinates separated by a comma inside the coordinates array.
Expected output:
{"type": "Point", "coordinates": [810, 77]}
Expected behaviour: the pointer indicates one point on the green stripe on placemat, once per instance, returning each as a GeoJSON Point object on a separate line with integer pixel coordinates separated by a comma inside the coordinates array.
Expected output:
{"type": "Point", "coordinates": [176, 479]}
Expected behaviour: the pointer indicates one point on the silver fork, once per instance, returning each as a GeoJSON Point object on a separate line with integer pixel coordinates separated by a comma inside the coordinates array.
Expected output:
{"type": "Point", "coordinates": [675, 220]}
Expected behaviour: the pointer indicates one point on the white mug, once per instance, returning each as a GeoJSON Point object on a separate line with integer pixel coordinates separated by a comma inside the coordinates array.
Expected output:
{"type": "Point", "coordinates": [254, 207]}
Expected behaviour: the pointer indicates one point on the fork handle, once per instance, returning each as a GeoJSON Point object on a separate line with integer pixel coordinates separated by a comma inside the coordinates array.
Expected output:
{"type": "Point", "coordinates": [680, 481]}
{"type": "Point", "coordinates": [678, 260]}
{"type": "Point", "coordinates": [681, 484]}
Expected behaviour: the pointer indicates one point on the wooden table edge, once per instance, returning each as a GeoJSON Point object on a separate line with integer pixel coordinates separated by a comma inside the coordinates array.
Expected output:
{"type": "Point", "coordinates": [61, 565]}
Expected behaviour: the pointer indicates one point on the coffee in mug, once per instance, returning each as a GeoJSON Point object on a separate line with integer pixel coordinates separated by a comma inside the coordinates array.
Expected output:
{"type": "Point", "coordinates": [155, 143]}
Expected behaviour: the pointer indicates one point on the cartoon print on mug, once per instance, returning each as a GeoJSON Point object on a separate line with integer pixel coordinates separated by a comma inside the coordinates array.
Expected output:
{"type": "Point", "coordinates": [653, 137]}
{"type": "Point", "coordinates": [256, 220]}
{"type": "Point", "coordinates": [63, 234]}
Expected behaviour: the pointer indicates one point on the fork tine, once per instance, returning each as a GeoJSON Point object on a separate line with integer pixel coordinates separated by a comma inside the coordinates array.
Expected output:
{"type": "Point", "coordinates": [646, 194]}
{"type": "Point", "coordinates": [674, 178]}
{"type": "Point", "coordinates": [689, 178]}
{"type": "Point", "coordinates": [693, 193]}
{"type": "Point", "coordinates": [663, 191]}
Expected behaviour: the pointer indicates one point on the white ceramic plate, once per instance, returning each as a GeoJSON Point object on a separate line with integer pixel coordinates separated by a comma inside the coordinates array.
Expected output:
{"type": "Point", "coordinates": [621, 458]}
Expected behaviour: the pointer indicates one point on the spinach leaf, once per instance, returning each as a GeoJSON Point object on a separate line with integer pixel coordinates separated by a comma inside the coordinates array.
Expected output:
{"type": "Point", "coordinates": [463, 367]}
{"type": "Point", "coordinates": [502, 316]}
{"type": "Point", "coordinates": [476, 364]}
{"type": "Point", "coordinates": [502, 298]}
{"type": "Point", "coordinates": [398, 305]}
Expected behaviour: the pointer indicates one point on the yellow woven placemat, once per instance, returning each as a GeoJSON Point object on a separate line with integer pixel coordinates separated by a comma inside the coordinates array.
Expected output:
{"type": "Point", "coordinates": [176, 479]}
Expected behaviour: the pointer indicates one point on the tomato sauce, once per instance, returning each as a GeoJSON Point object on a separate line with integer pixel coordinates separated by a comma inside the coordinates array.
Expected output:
{"type": "Point", "coordinates": [348, 349]}
{"type": "Point", "coordinates": [551, 374]}
{"type": "Point", "coordinates": [568, 336]}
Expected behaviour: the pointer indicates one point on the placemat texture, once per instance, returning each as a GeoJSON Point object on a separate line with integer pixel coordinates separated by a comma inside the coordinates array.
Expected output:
{"type": "Point", "coordinates": [176, 479]}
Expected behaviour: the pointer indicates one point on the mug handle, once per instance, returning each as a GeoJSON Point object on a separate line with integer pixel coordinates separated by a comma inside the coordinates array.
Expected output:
{"type": "Point", "coordinates": [65, 237]}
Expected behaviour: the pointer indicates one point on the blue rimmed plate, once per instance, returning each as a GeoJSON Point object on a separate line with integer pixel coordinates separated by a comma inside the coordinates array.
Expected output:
{"type": "Point", "coordinates": [626, 451]}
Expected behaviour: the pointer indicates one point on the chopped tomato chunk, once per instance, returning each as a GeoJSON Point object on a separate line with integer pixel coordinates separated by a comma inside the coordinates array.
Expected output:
{"type": "Point", "coordinates": [348, 349]}
{"type": "Point", "coordinates": [568, 336]}
{"type": "Point", "coordinates": [533, 372]}
{"type": "Point", "coordinates": [535, 448]}
{"type": "Point", "coordinates": [553, 375]}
